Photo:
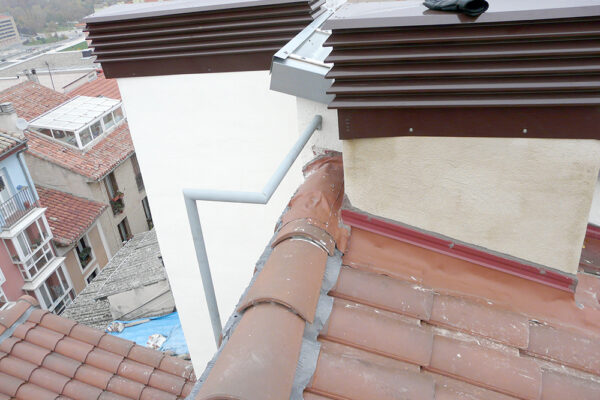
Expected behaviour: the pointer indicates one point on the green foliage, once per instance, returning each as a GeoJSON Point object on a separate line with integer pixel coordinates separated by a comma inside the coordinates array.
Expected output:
{"type": "Point", "coordinates": [35, 16]}
{"type": "Point", "coordinates": [79, 46]}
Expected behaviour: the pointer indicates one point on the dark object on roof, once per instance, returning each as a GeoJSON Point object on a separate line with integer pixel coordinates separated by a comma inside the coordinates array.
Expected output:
{"type": "Point", "coordinates": [44, 356]}
{"type": "Point", "coordinates": [406, 321]}
{"type": "Point", "coordinates": [184, 37]}
{"type": "Point", "coordinates": [472, 8]}
{"type": "Point", "coordinates": [509, 74]}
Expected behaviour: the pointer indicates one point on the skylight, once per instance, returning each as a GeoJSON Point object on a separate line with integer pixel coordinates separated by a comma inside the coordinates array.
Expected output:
{"type": "Point", "coordinates": [79, 121]}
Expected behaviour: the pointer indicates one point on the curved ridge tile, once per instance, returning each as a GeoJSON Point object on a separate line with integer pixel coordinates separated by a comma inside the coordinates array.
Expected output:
{"type": "Point", "coordinates": [259, 360]}
{"type": "Point", "coordinates": [302, 228]}
{"type": "Point", "coordinates": [320, 198]}
{"type": "Point", "coordinates": [292, 277]}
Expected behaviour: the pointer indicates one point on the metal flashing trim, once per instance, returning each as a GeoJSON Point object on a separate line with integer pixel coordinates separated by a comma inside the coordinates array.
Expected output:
{"type": "Point", "coordinates": [182, 37]}
{"type": "Point", "coordinates": [593, 231]}
{"type": "Point", "coordinates": [546, 276]}
{"type": "Point", "coordinates": [510, 74]}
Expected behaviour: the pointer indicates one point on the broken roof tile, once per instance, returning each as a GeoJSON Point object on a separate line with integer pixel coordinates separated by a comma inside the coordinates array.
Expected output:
{"type": "Point", "coordinates": [319, 199]}
{"type": "Point", "coordinates": [53, 357]}
{"type": "Point", "coordinates": [303, 229]}
{"type": "Point", "coordinates": [267, 371]}
{"type": "Point", "coordinates": [292, 277]}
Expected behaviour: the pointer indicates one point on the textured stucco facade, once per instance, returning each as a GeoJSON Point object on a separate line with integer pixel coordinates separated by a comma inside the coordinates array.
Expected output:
{"type": "Point", "coordinates": [526, 198]}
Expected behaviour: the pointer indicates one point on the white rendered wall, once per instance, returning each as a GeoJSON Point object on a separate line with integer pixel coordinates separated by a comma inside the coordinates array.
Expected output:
{"type": "Point", "coordinates": [327, 138]}
{"type": "Point", "coordinates": [222, 131]}
{"type": "Point", "coordinates": [595, 210]}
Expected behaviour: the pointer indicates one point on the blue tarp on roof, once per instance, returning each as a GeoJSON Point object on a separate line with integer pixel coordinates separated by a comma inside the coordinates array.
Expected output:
{"type": "Point", "coordinates": [168, 325]}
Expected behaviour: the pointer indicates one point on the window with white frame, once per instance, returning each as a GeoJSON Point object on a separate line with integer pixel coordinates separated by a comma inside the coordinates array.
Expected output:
{"type": "Point", "coordinates": [3, 299]}
{"type": "Point", "coordinates": [56, 292]}
{"type": "Point", "coordinates": [31, 249]}
{"type": "Point", "coordinates": [85, 253]}
{"type": "Point", "coordinates": [80, 121]}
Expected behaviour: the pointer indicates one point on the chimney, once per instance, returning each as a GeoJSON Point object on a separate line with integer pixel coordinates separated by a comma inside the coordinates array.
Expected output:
{"type": "Point", "coordinates": [32, 75]}
{"type": "Point", "coordinates": [9, 122]}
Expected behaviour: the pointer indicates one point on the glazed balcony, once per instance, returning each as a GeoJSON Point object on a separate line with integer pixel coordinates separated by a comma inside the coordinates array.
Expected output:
{"type": "Point", "coordinates": [16, 208]}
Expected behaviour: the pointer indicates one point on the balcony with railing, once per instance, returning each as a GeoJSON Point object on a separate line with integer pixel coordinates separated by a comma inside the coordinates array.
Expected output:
{"type": "Point", "coordinates": [17, 207]}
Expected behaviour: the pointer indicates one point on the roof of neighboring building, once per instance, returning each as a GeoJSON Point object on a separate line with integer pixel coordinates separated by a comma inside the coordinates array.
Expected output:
{"type": "Point", "coordinates": [9, 141]}
{"type": "Point", "coordinates": [69, 216]}
{"type": "Point", "coordinates": [31, 100]}
{"type": "Point", "coordinates": [390, 319]}
{"type": "Point", "coordinates": [98, 87]}
{"type": "Point", "coordinates": [135, 265]}
{"type": "Point", "coordinates": [44, 356]}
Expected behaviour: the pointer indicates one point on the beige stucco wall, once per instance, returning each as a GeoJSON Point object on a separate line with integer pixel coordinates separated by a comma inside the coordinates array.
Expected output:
{"type": "Point", "coordinates": [78, 277]}
{"type": "Point", "coordinates": [526, 198]}
{"type": "Point", "coordinates": [53, 176]}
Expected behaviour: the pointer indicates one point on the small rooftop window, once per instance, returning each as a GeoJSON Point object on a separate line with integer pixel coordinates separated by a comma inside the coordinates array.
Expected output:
{"type": "Point", "coordinates": [80, 121]}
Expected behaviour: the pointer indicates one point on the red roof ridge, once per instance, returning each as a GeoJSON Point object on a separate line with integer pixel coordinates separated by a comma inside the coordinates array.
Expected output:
{"type": "Point", "coordinates": [284, 296]}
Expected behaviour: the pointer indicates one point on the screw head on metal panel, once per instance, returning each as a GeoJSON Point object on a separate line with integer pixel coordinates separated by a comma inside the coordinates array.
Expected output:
{"type": "Point", "coordinates": [410, 129]}
{"type": "Point", "coordinates": [524, 130]}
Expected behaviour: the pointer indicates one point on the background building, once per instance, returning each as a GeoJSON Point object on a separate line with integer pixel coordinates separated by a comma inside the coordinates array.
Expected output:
{"type": "Point", "coordinates": [9, 35]}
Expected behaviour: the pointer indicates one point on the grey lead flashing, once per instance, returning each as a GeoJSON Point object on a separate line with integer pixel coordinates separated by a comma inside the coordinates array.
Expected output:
{"type": "Point", "coordinates": [309, 352]}
{"type": "Point", "coordinates": [123, 12]}
{"type": "Point", "coordinates": [8, 333]}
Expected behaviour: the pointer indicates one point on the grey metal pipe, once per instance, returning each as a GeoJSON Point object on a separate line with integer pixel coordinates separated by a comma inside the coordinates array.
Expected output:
{"type": "Point", "coordinates": [192, 195]}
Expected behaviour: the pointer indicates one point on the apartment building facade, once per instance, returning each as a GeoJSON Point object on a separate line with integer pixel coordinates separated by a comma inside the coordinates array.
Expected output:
{"type": "Point", "coordinates": [81, 145]}
{"type": "Point", "coordinates": [9, 34]}
{"type": "Point", "coordinates": [29, 262]}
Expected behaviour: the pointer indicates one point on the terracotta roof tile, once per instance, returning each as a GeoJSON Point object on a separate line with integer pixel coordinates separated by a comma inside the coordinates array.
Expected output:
{"type": "Point", "coordinates": [145, 356]}
{"type": "Point", "coordinates": [53, 357]}
{"type": "Point", "coordinates": [32, 99]}
{"type": "Point", "coordinates": [303, 229]}
{"type": "Point", "coordinates": [319, 198]}
{"type": "Point", "coordinates": [413, 323]}
{"type": "Point", "coordinates": [95, 163]}
{"type": "Point", "coordinates": [480, 318]}
{"type": "Point", "coordinates": [9, 142]}
{"type": "Point", "coordinates": [98, 87]}
{"type": "Point", "coordinates": [69, 216]}
{"type": "Point", "coordinates": [266, 373]}
{"type": "Point", "coordinates": [8, 318]}
{"type": "Point", "coordinates": [292, 277]}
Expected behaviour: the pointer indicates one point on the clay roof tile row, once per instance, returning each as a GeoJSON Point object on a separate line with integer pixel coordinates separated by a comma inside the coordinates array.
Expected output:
{"type": "Point", "coordinates": [69, 216]}
{"type": "Point", "coordinates": [50, 357]}
{"type": "Point", "coordinates": [32, 100]}
{"type": "Point", "coordinates": [406, 322]}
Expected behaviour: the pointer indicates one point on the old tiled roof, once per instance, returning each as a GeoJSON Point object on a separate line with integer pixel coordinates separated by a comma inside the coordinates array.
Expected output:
{"type": "Point", "coordinates": [403, 322]}
{"type": "Point", "coordinates": [31, 100]}
{"type": "Point", "coordinates": [8, 142]}
{"type": "Point", "coordinates": [94, 164]}
{"type": "Point", "coordinates": [136, 264]}
{"type": "Point", "coordinates": [69, 216]}
{"type": "Point", "coordinates": [98, 87]}
{"type": "Point", "coordinates": [47, 357]}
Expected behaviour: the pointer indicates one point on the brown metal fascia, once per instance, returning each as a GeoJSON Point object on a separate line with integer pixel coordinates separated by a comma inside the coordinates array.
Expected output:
{"type": "Point", "coordinates": [512, 122]}
{"type": "Point", "coordinates": [241, 39]}
{"type": "Point", "coordinates": [572, 66]}
{"type": "Point", "coordinates": [567, 48]}
{"type": "Point", "coordinates": [462, 34]}
{"type": "Point", "coordinates": [467, 85]}
{"type": "Point", "coordinates": [195, 19]}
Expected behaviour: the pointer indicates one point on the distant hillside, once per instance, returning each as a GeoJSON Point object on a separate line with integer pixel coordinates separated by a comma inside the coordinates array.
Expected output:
{"type": "Point", "coordinates": [36, 16]}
